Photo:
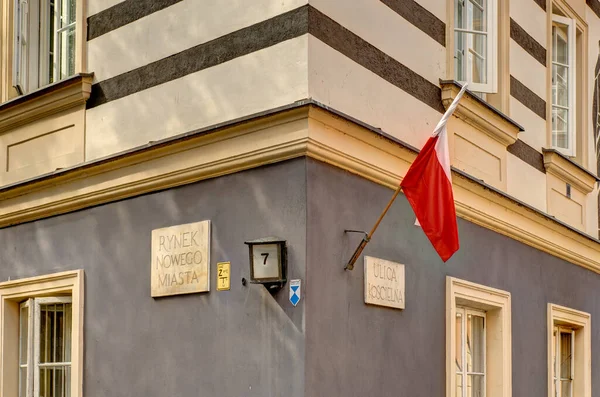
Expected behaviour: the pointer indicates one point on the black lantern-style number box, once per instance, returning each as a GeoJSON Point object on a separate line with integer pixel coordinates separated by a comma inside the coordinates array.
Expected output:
{"type": "Point", "coordinates": [268, 262]}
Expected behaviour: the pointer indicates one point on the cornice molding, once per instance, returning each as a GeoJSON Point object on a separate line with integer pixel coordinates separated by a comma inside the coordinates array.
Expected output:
{"type": "Point", "coordinates": [566, 170]}
{"type": "Point", "coordinates": [46, 101]}
{"type": "Point", "coordinates": [570, 315]}
{"type": "Point", "coordinates": [480, 115]}
{"type": "Point", "coordinates": [306, 130]}
{"type": "Point", "coordinates": [69, 277]}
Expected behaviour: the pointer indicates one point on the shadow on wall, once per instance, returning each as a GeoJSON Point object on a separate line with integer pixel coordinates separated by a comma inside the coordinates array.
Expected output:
{"type": "Point", "coordinates": [178, 345]}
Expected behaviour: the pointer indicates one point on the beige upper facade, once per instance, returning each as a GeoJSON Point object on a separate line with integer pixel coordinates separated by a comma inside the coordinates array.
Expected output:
{"type": "Point", "coordinates": [143, 84]}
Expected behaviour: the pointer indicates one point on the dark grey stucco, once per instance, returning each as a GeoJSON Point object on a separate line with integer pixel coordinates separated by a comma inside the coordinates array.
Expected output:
{"type": "Point", "coordinates": [240, 342]}
{"type": "Point", "coordinates": [357, 350]}
{"type": "Point", "coordinates": [244, 342]}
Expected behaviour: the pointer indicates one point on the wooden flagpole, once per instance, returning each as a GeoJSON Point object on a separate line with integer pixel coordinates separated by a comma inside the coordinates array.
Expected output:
{"type": "Point", "coordinates": [439, 128]}
{"type": "Point", "coordinates": [367, 238]}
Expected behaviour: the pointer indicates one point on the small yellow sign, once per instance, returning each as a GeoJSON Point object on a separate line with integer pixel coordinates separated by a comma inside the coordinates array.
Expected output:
{"type": "Point", "coordinates": [223, 276]}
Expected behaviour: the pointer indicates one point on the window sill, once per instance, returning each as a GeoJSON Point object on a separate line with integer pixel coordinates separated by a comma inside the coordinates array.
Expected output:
{"type": "Point", "coordinates": [567, 170]}
{"type": "Point", "coordinates": [480, 114]}
{"type": "Point", "coordinates": [46, 101]}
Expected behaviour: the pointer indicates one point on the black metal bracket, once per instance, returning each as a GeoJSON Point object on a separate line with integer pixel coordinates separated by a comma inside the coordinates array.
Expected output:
{"type": "Point", "coordinates": [356, 231]}
{"type": "Point", "coordinates": [359, 249]}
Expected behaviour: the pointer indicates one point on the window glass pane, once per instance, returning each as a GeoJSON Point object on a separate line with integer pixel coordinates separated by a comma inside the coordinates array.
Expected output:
{"type": "Point", "coordinates": [554, 352]}
{"type": "Point", "coordinates": [475, 347]}
{"type": "Point", "coordinates": [51, 30]}
{"type": "Point", "coordinates": [560, 135]}
{"type": "Point", "coordinates": [470, 56]}
{"type": "Point", "coordinates": [560, 86]}
{"type": "Point", "coordinates": [71, 11]}
{"type": "Point", "coordinates": [67, 332]}
{"type": "Point", "coordinates": [561, 49]}
{"type": "Point", "coordinates": [23, 382]}
{"type": "Point", "coordinates": [458, 343]}
{"type": "Point", "coordinates": [64, 13]}
{"type": "Point", "coordinates": [23, 48]}
{"type": "Point", "coordinates": [66, 43]}
{"type": "Point", "coordinates": [55, 347]}
{"type": "Point", "coordinates": [43, 336]}
{"type": "Point", "coordinates": [58, 389]}
{"type": "Point", "coordinates": [47, 333]}
{"type": "Point", "coordinates": [68, 381]}
{"type": "Point", "coordinates": [475, 386]}
{"type": "Point", "coordinates": [459, 57]}
{"type": "Point", "coordinates": [59, 336]}
{"type": "Point", "coordinates": [55, 381]}
{"type": "Point", "coordinates": [44, 383]}
{"type": "Point", "coordinates": [459, 10]}
{"type": "Point", "coordinates": [23, 334]}
{"type": "Point", "coordinates": [477, 17]}
{"type": "Point", "coordinates": [55, 333]}
{"type": "Point", "coordinates": [477, 58]}
{"type": "Point", "coordinates": [565, 355]}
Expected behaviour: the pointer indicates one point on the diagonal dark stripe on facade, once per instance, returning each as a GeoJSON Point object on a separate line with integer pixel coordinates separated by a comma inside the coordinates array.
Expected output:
{"type": "Point", "coordinates": [369, 57]}
{"type": "Point", "coordinates": [122, 14]}
{"type": "Point", "coordinates": [595, 6]}
{"type": "Point", "coordinates": [527, 97]}
{"type": "Point", "coordinates": [541, 3]}
{"type": "Point", "coordinates": [424, 20]}
{"type": "Point", "coordinates": [283, 27]}
{"type": "Point", "coordinates": [242, 42]}
{"type": "Point", "coordinates": [528, 154]}
{"type": "Point", "coordinates": [528, 43]}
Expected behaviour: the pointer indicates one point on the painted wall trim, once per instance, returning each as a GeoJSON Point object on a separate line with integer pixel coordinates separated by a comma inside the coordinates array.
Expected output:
{"type": "Point", "coordinates": [480, 114]}
{"type": "Point", "coordinates": [122, 14]}
{"type": "Point", "coordinates": [566, 169]}
{"type": "Point", "coordinates": [530, 99]}
{"type": "Point", "coordinates": [420, 17]}
{"type": "Point", "coordinates": [46, 101]}
{"type": "Point", "coordinates": [528, 43]}
{"type": "Point", "coordinates": [302, 129]}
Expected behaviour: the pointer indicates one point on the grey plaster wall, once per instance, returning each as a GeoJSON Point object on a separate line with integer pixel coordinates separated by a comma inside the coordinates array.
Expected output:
{"type": "Point", "coordinates": [358, 350]}
{"type": "Point", "coordinates": [235, 343]}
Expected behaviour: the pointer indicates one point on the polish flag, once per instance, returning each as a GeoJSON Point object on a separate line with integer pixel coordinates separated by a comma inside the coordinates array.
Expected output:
{"type": "Point", "coordinates": [428, 188]}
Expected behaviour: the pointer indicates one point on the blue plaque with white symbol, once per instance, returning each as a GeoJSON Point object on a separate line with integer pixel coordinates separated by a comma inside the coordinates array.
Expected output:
{"type": "Point", "coordinates": [295, 292]}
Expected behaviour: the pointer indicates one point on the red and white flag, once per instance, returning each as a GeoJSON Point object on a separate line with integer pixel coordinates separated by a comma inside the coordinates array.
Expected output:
{"type": "Point", "coordinates": [428, 188]}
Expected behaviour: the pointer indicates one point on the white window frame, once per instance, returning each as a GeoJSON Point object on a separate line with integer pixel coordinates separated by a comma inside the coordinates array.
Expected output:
{"type": "Point", "coordinates": [12, 293]}
{"type": "Point", "coordinates": [571, 122]}
{"type": "Point", "coordinates": [33, 343]}
{"type": "Point", "coordinates": [466, 311]}
{"type": "Point", "coordinates": [557, 379]}
{"type": "Point", "coordinates": [491, 87]}
{"type": "Point", "coordinates": [497, 307]}
{"type": "Point", "coordinates": [579, 323]}
{"type": "Point", "coordinates": [30, 69]}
